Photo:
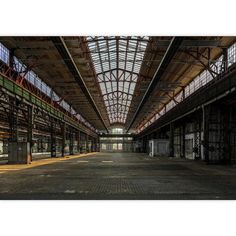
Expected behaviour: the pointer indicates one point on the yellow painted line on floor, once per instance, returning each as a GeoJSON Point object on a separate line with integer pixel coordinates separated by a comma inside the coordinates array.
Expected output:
{"type": "Point", "coordinates": [8, 167]}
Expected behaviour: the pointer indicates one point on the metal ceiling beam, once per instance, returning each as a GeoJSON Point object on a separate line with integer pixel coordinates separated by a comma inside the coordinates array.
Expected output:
{"type": "Point", "coordinates": [67, 58]}
{"type": "Point", "coordinates": [201, 43]}
{"type": "Point", "coordinates": [192, 43]}
{"type": "Point", "coordinates": [169, 54]}
{"type": "Point", "coordinates": [113, 39]}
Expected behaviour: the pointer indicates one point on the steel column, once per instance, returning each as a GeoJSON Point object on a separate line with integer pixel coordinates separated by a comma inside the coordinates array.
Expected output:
{"type": "Point", "coordinates": [30, 128]}
{"type": "Point", "coordinates": [79, 142]}
{"type": "Point", "coordinates": [87, 149]}
{"type": "Point", "coordinates": [205, 115]}
{"type": "Point", "coordinates": [170, 52]}
{"type": "Point", "coordinates": [182, 141]}
{"type": "Point", "coordinates": [171, 138]}
{"type": "Point", "coordinates": [63, 132]}
{"type": "Point", "coordinates": [53, 138]}
{"type": "Point", "coordinates": [71, 141]}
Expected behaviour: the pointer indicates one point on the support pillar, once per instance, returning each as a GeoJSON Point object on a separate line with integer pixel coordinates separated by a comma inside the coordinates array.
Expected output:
{"type": "Point", "coordinates": [171, 138]}
{"type": "Point", "coordinates": [92, 145]}
{"type": "Point", "coordinates": [86, 143]}
{"type": "Point", "coordinates": [197, 139]}
{"type": "Point", "coordinates": [53, 139]}
{"type": "Point", "coordinates": [30, 129]}
{"type": "Point", "coordinates": [206, 113]}
{"type": "Point", "coordinates": [76, 141]}
{"type": "Point", "coordinates": [182, 141]}
{"type": "Point", "coordinates": [98, 145]}
{"type": "Point", "coordinates": [63, 131]}
{"type": "Point", "coordinates": [79, 143]}
{"type": "Point", "coordinates": [71, 142]}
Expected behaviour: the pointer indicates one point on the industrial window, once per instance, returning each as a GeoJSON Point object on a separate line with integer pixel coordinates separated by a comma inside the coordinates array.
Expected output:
{"type": "Point", "coordinates": [117, 131]}
{"type": "Point", "coordinates": [117, 62]}
{"type": "Point", "coordinates": [170, 105]}
{"type": "Point", "coordinates": [31, 77]}
{"type": "Point", "coordinates": [18, 65]}
{"type": "Point", "coordinates": [218, 65]}
{"type": "Point", "coordinates": [232, 54]}
{"type": "Point", "coordinates": [65, 105]}
{"type": "Point", "coordinates": [4, 54]}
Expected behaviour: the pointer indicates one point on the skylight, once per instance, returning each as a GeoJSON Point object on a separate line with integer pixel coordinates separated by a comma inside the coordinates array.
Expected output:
{"type": "Point", "coordinates": [117, 62]}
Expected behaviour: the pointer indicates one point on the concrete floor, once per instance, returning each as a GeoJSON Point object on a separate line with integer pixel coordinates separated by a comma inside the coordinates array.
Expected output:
{"type": "Point", "coordinates": [120, 176]}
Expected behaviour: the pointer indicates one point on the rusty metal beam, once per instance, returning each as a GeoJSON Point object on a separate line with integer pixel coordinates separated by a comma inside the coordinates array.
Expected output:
{"type": "Point", "coordinates": [67, 58]}
{"type": "Point", "coordinates": [169, 54]}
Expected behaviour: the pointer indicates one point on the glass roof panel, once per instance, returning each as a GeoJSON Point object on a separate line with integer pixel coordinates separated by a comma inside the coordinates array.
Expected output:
{"type": "Point", "coordinates": [117, 62]}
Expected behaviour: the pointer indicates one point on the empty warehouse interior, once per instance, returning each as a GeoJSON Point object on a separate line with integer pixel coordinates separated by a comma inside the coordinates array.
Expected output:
{"type": "Point", "coordinates": [117, 117]}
